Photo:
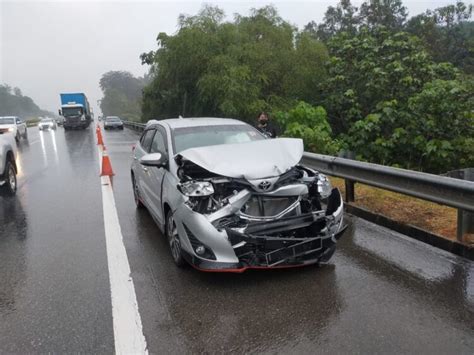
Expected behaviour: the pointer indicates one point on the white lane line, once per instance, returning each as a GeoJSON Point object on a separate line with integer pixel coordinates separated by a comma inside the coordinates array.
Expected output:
{"type": "Point", "coordinates": [127, 324]}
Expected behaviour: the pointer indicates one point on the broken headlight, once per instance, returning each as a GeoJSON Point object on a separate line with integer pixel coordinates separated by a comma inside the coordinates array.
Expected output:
{"type": "Point", "coordinates": [324, 186]}
{"type": "Point", "coordinates": [196, 188]}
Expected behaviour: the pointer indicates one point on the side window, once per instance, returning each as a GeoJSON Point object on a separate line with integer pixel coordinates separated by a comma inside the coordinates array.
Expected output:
{"type": "Point", "coordinates": [146, 139]}
{"type": "Point", "coordinates": [158, 145]}
{"type": "Point", "coordinates": [18, 121]}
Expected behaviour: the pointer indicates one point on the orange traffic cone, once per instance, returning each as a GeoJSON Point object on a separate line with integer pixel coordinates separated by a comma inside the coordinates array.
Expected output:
{"type": "Point", "coordinates": [106, 165]}
{"type": "Point", "coordinates": [100, 141]}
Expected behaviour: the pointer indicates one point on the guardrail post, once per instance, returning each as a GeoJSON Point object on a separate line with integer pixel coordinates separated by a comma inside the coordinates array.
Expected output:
{"type": "Point", "coordinates": [465, 219]}
{"type": "Point", "coordinates": [350, 190]}
{"type": "Point", "coordinates": [349, 185]}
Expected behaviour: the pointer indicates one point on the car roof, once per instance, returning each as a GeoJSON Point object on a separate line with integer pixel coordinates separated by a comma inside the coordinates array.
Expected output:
{"type": "Point", "coordinates": [196, 122]}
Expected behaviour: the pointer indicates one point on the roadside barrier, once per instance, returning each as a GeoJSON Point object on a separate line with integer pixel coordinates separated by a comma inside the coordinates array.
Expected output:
{"type": "Point", "coordinates": [106, 165]}
{"type": "Point", "coordinates": [100, 140]}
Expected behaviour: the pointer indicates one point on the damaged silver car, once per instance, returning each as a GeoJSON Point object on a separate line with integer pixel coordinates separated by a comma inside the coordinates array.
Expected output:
{"type": "Point", "coordinates": [229, 199]}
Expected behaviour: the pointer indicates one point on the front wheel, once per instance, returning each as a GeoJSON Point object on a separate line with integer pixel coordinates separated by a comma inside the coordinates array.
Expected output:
{"type": "Point", "coordinates": [9, 188]}
{"type": "Point", "coordinates": [173, 240]}
{"type": "Point", "coordinates": [136, 194]}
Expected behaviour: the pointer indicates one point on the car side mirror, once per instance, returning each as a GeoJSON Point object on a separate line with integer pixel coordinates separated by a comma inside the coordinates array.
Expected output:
{"type": "Point", "coordinates": [60, 113]}
{"type": "Point", "coordinates": [154, 159]}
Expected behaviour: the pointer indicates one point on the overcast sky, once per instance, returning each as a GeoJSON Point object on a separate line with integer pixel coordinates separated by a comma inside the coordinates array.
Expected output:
{"type": "Point", "coordinates": [65, 46]}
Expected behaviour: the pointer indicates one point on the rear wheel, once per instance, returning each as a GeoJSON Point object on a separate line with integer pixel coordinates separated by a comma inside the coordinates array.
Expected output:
{"type": "Point", "coordinates": [173, 240]}
{"type": "Point", "coordinates": [9, 188]}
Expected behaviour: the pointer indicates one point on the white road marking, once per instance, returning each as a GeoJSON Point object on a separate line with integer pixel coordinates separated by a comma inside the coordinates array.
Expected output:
{"type": "Point", "coordinates": [127, 324]}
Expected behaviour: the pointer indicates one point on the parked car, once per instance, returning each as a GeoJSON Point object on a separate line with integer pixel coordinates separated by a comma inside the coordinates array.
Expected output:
{"type": "Point", "coordinates": [8, 168]}
{"type": "Point", "coordinates": [113, 122]}
{"type": "Point", "coordinates": [15, 126]}
{"type": "Point", "coordinates": [47, 123]}
{"type": "Point", "coordinates": [228, 199]}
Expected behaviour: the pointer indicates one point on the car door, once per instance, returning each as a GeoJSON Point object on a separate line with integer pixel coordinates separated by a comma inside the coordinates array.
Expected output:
{"type": "Point", "coordinates": [141, 172]}
{"type": "Point", "coordinates": [154, 175]}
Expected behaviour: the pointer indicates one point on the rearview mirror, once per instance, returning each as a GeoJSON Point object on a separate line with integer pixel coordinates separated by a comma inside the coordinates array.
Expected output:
{"type": "Point", "coordinates": [154, 159]}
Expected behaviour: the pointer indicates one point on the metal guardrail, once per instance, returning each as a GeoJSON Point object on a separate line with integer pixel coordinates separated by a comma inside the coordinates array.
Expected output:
{"type": "Point", "coordinates": [134, 125]}
{"type": "Point", "coordinates": [440, 189]}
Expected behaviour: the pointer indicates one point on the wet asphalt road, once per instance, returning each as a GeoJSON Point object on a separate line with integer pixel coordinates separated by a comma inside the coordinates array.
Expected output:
{"type": "Point", "coordinates": [382, 292]}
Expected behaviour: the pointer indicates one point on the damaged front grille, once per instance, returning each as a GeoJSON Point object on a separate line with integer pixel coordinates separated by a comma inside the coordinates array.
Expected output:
{"type": "Point", "coordinates": [259, 207]}
{"type": "Point", "coordinates": [287, 240]}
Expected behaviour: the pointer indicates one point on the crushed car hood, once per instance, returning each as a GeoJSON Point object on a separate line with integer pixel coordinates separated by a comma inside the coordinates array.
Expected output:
{"type": "Point", "coordinates": [252, 160]}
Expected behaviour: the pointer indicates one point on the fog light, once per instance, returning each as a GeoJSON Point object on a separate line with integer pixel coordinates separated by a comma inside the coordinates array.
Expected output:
{"type": "Point", "coordinates": [200, 250]}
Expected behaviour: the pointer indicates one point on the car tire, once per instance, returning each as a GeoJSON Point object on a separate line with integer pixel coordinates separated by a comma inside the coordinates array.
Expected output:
{"type": "Point", "coordinates": [136, 194]}
{"type": "Point", "coordinates": [174, 242]}
{"type": "Point", "coordinates": [10, 186]}
{"type": "Point", "coordinates": [17, 137]}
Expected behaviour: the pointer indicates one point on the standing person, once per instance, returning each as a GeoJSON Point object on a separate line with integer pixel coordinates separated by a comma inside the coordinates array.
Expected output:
{"type": "Point", "coordinates": [265, 126]}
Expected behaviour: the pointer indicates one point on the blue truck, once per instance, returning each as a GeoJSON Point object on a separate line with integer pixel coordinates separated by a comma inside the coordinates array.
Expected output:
{"type": "Point", "coordinates": [76, 111]}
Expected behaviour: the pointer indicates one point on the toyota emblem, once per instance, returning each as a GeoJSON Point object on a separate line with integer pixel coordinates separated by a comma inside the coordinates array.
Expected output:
{"type": "Point", "coordinates": [264, 185]}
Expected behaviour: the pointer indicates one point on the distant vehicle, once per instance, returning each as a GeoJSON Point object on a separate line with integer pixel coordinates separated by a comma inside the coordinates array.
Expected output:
{"type": "Point", "coordinates": [14, 125]}
{"type": "Point", "coordinates": [47, 123]}
{"type": "Point", "coordinates": [228, 199]}
{"type": "Point", "coordinates": [76, 111]}
{"type": "Point", "coordinates": [113, 122]}
{"type": "Point", "coordinates": [8, 168]}
{"type": "Point", "coordinates": [60, 121]}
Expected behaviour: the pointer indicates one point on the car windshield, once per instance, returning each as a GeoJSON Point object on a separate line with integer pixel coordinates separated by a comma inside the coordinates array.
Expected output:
{"type": "Point", "coordinates": [192, 137]}
{"type": "Point", "coordinates": [112, 119]}
{"type": "Point", "coordinates": [47, 120]}
{"type": "Point", "coordinates": [72, 111]}
{"type": "Point", "coordinates": [7, 120]}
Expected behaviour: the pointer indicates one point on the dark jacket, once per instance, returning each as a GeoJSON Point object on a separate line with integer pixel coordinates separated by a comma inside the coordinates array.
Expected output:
{"type": "Point", "coordinates": [269, 129]}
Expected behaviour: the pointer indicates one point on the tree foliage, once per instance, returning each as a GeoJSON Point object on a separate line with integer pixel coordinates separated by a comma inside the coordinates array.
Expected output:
{"type": "Point", "coordinates": [122, 94]}
{"type": "Point", "coordinates": [309, 123]}
{"type": "Point", "coordinates": [14, 103]}
{"type": "Point", "coordinates": [237, 68]}
{"type": "Point", "coordinates": [394, 90]}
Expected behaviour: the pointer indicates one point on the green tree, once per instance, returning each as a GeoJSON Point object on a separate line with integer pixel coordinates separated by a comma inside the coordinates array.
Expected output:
{"type": "Point", "coordinates": [257, 62]}
{"type": "Point", "coordinates": [309, 123]}
{"type": "Point", "coordinates": [447, 34]}
{"type": "Point", "coordinates": [342, 18]}
{"type": "Point", "coordinates": [374, 67]}
{"type": "Point", "coordinates": [14, 103]}
{"type": "Point", "coordinates": [388, 13]}
{"type": "Point", "coordinates": [122, 94]}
